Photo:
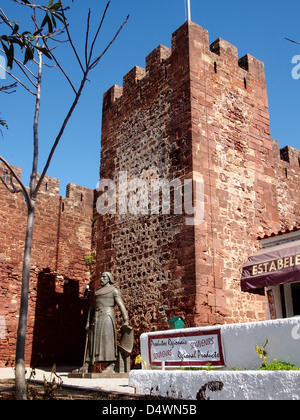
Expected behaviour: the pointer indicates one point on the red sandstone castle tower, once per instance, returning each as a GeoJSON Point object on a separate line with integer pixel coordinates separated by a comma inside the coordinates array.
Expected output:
{"type": "Point", "coordinates": [195, 111]}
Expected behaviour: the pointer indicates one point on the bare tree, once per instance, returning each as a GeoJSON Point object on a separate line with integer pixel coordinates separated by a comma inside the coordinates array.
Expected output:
{"type": "Point", "coordinates": [35, 45]}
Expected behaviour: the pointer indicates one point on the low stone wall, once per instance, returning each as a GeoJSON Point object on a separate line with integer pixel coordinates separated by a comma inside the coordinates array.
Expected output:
{"type": "Point", "coordinates": [218, 385]}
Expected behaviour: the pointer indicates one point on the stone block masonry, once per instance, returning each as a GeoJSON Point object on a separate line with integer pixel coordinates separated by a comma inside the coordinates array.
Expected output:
{"type": "Point", "coordinates": [59, 275]}
{"type": "Point", "coordinates": [194, 111]}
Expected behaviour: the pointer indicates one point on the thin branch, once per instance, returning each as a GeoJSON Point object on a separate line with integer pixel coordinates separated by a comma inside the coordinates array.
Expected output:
{"type": "Point", "coordinates": [69, 37]}
{"type": "Point", "coordinates": [31, 5]}
{"type": "Point", "coordinates": [96, 61]}
{"type": "Point", "coordinates": [60, 67]}
{"type": "Point", "coordinates": [98, 31]}
{"type": "Point", "coordinates": [72, 108]}
{"type": "Point", "coordinates": [21, 67]}
{"type": "Point", "coordinates": [87, 38]}
{"type": "Point", "coordinates": [24, 189]}
{"type": "Point", "coordinates": [291, 40]}
{"type": "Point", "coordinates": [35, 6]}
{"type": "Point", "coordinates": [5, 19]}
{"type": "Point", "coordinates": [5, 89]}
{"type": "Point", "coordinates": [18, 80]}
{"type": "Point", "coordinates": [25, 67]}
{"type": "Point", "coordinates": [16, 191]}
{"type": "Point", "coordinates": [12, 189]}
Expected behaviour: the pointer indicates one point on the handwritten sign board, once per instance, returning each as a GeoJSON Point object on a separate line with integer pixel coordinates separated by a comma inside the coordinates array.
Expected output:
{"type": "Point", "coordinates": [176, 349]}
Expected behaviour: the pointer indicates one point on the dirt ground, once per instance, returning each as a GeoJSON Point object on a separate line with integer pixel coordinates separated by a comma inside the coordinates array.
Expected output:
{"type": "Point", "coordinates": [37, 391]}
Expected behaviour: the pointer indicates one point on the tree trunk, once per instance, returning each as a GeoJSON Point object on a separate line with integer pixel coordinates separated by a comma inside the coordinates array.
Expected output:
{"type": "Point", "coordinates": [21, 389]}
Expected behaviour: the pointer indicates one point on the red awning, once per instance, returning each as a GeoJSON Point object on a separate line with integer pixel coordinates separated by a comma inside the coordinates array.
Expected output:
{"type": "Point", "coordinates": [270, 266]}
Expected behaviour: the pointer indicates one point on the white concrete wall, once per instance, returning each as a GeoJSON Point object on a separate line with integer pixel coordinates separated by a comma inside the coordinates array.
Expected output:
{"type": "Point", "coordinates": [241, 385]}
{"type": "Point", "coordinates": [239, 351]}
{"type": "Point", "coordinates": [239, 342]}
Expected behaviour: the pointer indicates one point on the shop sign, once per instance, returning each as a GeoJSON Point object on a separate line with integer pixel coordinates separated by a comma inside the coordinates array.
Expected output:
{"type": "Point", "coordinates": [176, 349]}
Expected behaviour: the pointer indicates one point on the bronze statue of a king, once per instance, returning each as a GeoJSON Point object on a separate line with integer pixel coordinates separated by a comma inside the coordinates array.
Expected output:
{"type": "Point", "coordinates": [101, 343]}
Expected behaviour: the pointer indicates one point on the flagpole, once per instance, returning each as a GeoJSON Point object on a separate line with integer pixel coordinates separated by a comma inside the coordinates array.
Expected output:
{"type": "Point", "coordinates": [189, 9]}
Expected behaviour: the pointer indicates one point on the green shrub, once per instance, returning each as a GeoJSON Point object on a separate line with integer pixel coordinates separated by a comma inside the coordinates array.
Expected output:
{"type": "Point", "coordinates": [279, 366]}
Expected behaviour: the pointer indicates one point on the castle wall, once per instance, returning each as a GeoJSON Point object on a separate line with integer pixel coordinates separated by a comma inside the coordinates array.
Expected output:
{"type": "Point", "coordinates": [62, 239]}
{"type": "Point", "coordinates": [287, 169]}
{"type": "Point", "coordinates": [195, 112]}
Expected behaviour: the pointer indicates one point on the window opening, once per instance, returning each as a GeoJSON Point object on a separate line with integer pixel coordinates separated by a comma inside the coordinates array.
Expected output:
{"type": "Point", "coordinates": [296, 297]}
{"type": "Point", "coordinates": [282, 296]}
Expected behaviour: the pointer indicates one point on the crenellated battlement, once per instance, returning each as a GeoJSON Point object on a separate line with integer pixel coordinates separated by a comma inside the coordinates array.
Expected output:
{"type": "Point", "coordinates": [50, 187]}
{"type": "Point", "coordinates": [157, 57]}
{"type": "Point", "coordinates": [248, 63]}
{"type": "Point", "coordinates": [132, 77]}
{"type": "Point", "coordinates": [288, 157]}
{"type": "Point", "coordinates": [189, 42]}
{"type": "Point", "coordinates": [291, 156]}
{"type": "Point", "coordinates": [78, 193]}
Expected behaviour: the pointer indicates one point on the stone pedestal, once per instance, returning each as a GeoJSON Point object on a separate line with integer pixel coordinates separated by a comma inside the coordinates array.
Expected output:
{"type": "Point", "coordinates": [122, 369]}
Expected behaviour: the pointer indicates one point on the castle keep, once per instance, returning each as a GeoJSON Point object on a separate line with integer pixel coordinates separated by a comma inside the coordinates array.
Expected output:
{"type": "Point", "coordinates": [196, 112]}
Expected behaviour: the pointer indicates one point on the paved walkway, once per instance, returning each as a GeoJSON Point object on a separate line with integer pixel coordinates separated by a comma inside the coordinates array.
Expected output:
{"type": "Point", "coordinates": [100, 384]}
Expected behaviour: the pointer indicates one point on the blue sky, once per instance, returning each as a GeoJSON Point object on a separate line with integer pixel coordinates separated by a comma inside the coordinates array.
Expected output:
{"type": "Point", "coordinates": [258, 27]}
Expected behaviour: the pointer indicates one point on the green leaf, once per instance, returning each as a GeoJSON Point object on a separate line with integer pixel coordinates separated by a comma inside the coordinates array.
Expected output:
{"type": "Point", "coordinates": [9, 55]}
{"type": "Point", "coordinates": [37, 33]}
{"type": "Point", "coordinates": [45, 52]}
{"type": "Point", "coordinates": [60, 17]}
{"type": "Point", "coordinates": [55, 6]}
{"type": "Point", "coordinates": [4, 38]}
{"type": "Point", "coordinates": [3, 123]}
{"type": "Point", "coordinates": [24, 34]}
{"type": "Point", "coordinates": [53, 20]}
{"type": "Point", "coordinates": [16, 40]}
{"type": "Point", "coordinates": [47, 21]}
{"type": "Point", "coordinates": [16, 28]}
{"type": "Point", "coordinates": [28, 54]}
